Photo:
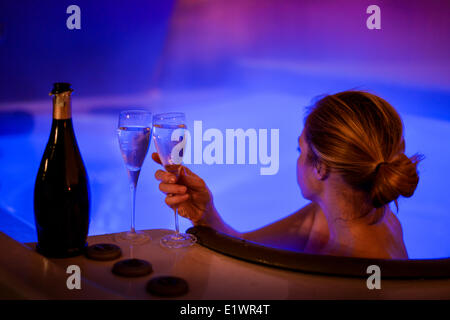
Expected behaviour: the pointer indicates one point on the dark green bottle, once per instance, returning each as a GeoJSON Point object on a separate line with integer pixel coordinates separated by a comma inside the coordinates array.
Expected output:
{"type": "Point", "coordinates": [61, 193]}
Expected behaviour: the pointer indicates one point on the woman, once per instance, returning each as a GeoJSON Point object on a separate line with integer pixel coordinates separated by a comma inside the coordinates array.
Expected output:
{"type": "Point", "coordinates": [351, 166]}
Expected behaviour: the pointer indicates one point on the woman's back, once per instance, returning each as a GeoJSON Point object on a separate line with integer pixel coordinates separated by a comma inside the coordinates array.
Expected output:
{"type": "Point", "coordinates": [381, 240]}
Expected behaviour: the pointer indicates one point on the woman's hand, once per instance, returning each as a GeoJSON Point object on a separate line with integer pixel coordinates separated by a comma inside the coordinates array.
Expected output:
{"type": "Point", "coordinates": [189, 194]}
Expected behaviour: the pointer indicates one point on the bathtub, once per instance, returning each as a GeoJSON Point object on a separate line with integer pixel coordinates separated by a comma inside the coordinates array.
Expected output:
{"type": "Point", "coordinates": [245, 198]}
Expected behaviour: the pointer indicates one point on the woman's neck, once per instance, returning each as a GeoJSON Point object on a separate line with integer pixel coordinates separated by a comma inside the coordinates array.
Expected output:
{"type": "Point", "coordinates": [347, 215]}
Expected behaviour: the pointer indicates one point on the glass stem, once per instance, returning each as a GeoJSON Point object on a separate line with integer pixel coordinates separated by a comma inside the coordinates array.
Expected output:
{"type": "Point", "coordinates": [177, 229]}
{"type": "Point", "coordinates": [133, 208]}
{"type": "Point", "coordinates": [134, 175]}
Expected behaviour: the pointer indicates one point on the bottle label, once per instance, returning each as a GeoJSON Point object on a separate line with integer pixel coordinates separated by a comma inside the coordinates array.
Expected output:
{"type": "Point", "coordinates": [62, 108]}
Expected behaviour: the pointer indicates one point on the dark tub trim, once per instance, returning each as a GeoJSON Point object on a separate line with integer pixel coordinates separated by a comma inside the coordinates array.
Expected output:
{"type": "Point", "coordinates": [316, 263]}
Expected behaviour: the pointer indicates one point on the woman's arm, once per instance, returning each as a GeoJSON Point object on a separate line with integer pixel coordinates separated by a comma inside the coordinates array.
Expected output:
{"type": "Point", "coordinates": [194, 201]}
{"type": "Point", "coordinates": [289, 233]}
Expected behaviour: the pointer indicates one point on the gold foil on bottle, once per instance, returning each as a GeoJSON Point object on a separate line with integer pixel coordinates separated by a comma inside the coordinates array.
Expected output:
{"type": "Point", "coordinates": [62, 105]}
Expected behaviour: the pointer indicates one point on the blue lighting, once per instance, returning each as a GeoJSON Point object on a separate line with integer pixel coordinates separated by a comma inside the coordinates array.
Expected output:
{"type": "Point", "coordinates": [134, 57]}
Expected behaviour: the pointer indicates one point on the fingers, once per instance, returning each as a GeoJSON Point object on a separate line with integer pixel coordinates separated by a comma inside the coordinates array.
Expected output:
{"type": "Point", "coordinates": [175, 200]}
{"type": "Point", "coordinates": [187, 177]}
{"type": "Point", "coordinates": [155, 157]}
{"type": "Point", "coordinates": [165, 176]}
{"type": "Point", "coordinates": [172, 188]}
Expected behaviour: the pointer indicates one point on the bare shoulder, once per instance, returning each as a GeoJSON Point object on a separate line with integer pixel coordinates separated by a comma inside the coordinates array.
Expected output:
{"type": "Point", "coordinates": [290, 232]}
{"type": "Point", "coordinates": [302, 220]}
{"type": "Point", "coordinates": [394, 236]}
{"type": "Point", "coordinates": [310, 209]}
{"type": "Point", "coordinates": [303, 216]}
{"type": "Point", "coordinates": [393, 223]}
{"type": "Point", "coordinates": [382, 240]}
{"type": "Point", "coordinates": [318, 234]}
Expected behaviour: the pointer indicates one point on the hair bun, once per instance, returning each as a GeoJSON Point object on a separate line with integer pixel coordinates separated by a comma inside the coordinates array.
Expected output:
{"type": "Point", "coordinates": [377, 168]}
{"type": "Point", "coordinates": [395, 178]}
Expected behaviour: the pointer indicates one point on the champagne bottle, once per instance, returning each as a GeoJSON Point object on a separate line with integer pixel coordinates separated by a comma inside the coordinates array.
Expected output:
{"type": "Point", "coordinates": [61, 193]}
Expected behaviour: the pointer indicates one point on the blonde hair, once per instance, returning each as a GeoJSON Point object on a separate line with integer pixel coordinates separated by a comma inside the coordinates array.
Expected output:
{"type": "Point", "coordinates": [360, 136]}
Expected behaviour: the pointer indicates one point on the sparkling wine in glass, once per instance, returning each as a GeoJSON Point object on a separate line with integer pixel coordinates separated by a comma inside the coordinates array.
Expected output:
{"type": "Point", "coordinates": [169, 136]}
{"type": "Point", "coordinates": [134, 132]}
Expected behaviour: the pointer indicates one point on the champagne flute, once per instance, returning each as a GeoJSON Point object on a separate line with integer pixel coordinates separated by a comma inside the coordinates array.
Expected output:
{"type": "Point", "coordinates": [169, 136]}
{"type": "Point", "coordinates": [134, 131]}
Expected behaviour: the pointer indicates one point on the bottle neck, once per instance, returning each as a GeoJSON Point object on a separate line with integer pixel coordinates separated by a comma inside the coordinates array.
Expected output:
{"type": "Point", "coordinates": [62, 106]}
